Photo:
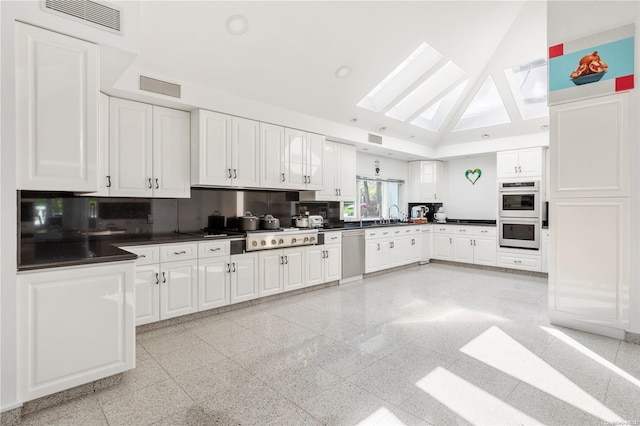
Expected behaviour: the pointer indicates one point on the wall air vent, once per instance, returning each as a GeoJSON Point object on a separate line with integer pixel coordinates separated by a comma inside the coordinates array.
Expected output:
{"type": "Point", "coordinates": [375, 139]}
{"type": "Point", "coordinates": [158, 86]}
{"type": "Point", "coordinates": [97, 14]}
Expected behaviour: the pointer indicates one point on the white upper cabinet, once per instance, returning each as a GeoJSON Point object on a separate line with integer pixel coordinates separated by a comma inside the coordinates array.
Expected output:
{"type": "Point", "coordinates": [171, 159]}
{"type": "Point", "coordinates": [148, 151]}
{"type": "Point", "coordinates": [303, 159]}
{"type": "Point", "coordinates": [56, 111]}
{"type": "Point", "coordinates": [273, 170]}
{"type": "Point", "coordinates": [339, 173]}
{"type": "Point", "coordinates": [589, 148]}
{"type": "Point", "coordinates": [520, 163]}
{"type": "Point", "coordinates": [225, 150]}
{"type": "Point", "coordinates": [425, 181]}
{"type": "Point", "coordinates": [314, 161]}
{"type": "Point", "coordinates": [130, 148]}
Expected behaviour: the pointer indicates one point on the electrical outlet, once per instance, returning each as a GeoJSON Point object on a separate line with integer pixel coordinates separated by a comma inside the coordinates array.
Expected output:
{"type": "Point", "coordinates": [149, 218]}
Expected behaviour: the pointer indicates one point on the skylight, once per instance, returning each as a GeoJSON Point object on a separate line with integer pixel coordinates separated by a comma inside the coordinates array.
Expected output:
{"type": "Point", "coordinates": [430, 89]}
{"type": "Point", "coordinates": [401, 78]}
{"type": "Point", "coordinates": [528, 84]}
{"type": "Point", "coordinates": [486, 109]}
{"type": "Point", "coordinates": [433, 118]}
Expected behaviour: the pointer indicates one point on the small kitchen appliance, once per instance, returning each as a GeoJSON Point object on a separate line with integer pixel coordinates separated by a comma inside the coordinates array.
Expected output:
{"type": "Point", "coordinates": [419, 213]}
{"type": "Point", "coordinates": [300, 221]}
{"type": "Point", "coordinates": [316, 221]}
{"type": "Point", "coordinates": [440, 216]}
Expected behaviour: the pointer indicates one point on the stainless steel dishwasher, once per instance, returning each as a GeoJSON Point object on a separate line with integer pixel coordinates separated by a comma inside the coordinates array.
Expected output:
{"type": "Point", "coordinates": [352, 254]}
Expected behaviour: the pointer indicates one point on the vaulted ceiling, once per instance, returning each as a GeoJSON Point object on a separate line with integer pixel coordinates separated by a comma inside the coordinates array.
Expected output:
{"type": "Point", "coordinates": [291, 51]}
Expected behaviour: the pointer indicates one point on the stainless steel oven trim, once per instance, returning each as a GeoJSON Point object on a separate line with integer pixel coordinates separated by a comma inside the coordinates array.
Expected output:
{"type": "Point", "coordinates": [524, 190]}
{"type": "Point", "coordinates": [520, 244]}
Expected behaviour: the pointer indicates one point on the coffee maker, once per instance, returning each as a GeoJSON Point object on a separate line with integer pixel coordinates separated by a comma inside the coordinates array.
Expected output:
{"type": "Point", "coordinates": [419, 212]}
{"type": "Point", "coordinates": [431, 208]}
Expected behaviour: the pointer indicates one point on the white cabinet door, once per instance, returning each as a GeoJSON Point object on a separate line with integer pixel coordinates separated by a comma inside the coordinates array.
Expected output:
{"type": "Point", "coordinates": [582, 164]}
{"type": "Point", "coordinates": [244, 277]}
{"type": "Point", "coordinates": [462, 249]}
{"type": "Point", "coordinates": [507, 164]}
{"type": "Point", "coordinates": [330, 186]}
{"type": "Point", "coordinates": [332, 262]}
{"type": "Point", "coordinates": [314, 161]}
{"type": "Point", "coordinates": [415, 248]}
{"type": "Point", "coordinates": [530, 162]}
{"type": "Point", "coordinates": [178, 288]}
{"type": "Point", "coordinates": [245, 152]}
{"type": "Point", "coordinates": [384, 254]}
{"type": "Point", "coordinates": [214, 282]}
{"type": "Point", "coordinates": [75, 325]}
{"type": "Point", "coordinates": [57, 89]}
{"type": "Point", "coordinates": [425, 181]}
{"type": "Point", "coordinates": [271, 272]}
{"type": "Point", "coordinates": [273, 173]}
{"type": "Point", "coordinates": [171, 154]}
{"type": "Point", "coordinates": [346, 172]}
{"type": "Point", "coordinates": [147, 294]}
{"type": "Point", "coordinates": [315, 265]}
{"type": "Point", "coordinates": [372, 250]}
{"type": "Point", "coordinates": [443, 246]}
{"type": "Point", "coordinates": [104, 175]}
{"type": "Point", "coordinates": [413, 191]}
{"type": "Point", "coordinates": [589, 280]}
{"type": "Point", "coordinates": [130, 148]}
{"type": "Point", "coordinates": [294, 268]}
{"type": "Point", "coordinates": [484, 250]}
{"type": "Point", "coordinates": [211, 148]}
{"type": "Point", "coordinates": [295, 153]}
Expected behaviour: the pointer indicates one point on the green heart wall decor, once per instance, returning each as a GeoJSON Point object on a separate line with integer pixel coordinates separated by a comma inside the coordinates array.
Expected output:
{"type": "Point", "coordinates": [475, 175]}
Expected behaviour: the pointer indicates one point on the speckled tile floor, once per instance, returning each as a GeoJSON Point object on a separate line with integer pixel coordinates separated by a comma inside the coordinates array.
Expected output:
{"type": "Point", "coordinates": [436, 344]}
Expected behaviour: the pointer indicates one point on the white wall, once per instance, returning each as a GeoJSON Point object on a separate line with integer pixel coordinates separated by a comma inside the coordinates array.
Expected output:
{"type": "Point", "coordinates": [570, 20]}
{"type": "Point", "coordinates": [464, 200]}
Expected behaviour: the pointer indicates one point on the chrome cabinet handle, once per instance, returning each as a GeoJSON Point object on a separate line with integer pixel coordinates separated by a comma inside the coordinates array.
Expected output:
{"type": "Point", "coordinates": [323, 254]}
{"type": "Point", "coordinates": [214, 249]}
{"type": "Point", "coordinates": [413, 242]}
{"type": "Point", "coordinates": [228, 268]}
{"type": "Point", "coordinates": [150, 184]}
{"type": "Point", "coordinates": [515, 169]}
{"type": "Point", "coordinates": [108, 181]}
{"type": "Point", "coordinates": [435, 196]}
{"type": "Point", "coordinates": [179, 252]}
{"type": "Point", "coordinates": [309, 179]}
{"type": "Point", "coordinates": [229, 170]}
{"type": "Point", "coordinates": [282, 260]}
{"type": "Point", "coordinates": [484, 231]}
{"type": "Point", "coordinates": [397, 232]}
{"type": "Point", "coordinates": [450, 241]}
{"type": "Point", "coordinates": [339, 191]}
{"type": "Point", "coordinates": [235, 174]}
{"type": "Point", "coordinates": [334, 238]}
{"type": "Point", "coordinates": [384, 233]}
{"type": "Point", "coordinates": [141, 255]}
{"type": "Point", "coordinates": [234, 266]}
{"type": "Point", "coordinates": [336, 191]}
{"type": "Point", "coordinates": [286, 260]}
{"type": "Point", "coordinates": [378, 246]}
{"type": "Point", "coordinates": [470, 242]}
{"type": "Point", "coordinates": [517, 261]}
{"type": "Point", "coordinates": [157, 279]}
{"type": "Point", "coordinates": [519, 169]}
{"type": "Point", "coordinates": [283, 177]}
{"type": "Point", "coordinates": [164, 278]}
{"type": "Point", "coordinates": [157, 184]}
{"type": "Point", "coordinates": [326, 254]}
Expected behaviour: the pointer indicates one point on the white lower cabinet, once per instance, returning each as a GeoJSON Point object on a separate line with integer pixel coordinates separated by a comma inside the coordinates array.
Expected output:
{"type": "Point", "coordinates": [389, 247]}
{"type": "Point", "coordinates": [466, 244]}
{"type": "Point", "coordinates": [332, 262]}
{"type": "Point", "coordinates": [75, 325]}
{"type": "Point", "coordinates": [527, 262]}
{"type": "Point", "coordinates": [324, 263]}
{"type": "Point", "coordinates": [214, 282]}
{"type": "Point", "coordinates": [244, 277]}
{"type": "Point", "coordinates": [544, 250]}
{"type": "Point", "coordinates": [165, 287]}
{"type": "Point", "coordinates": [281, 270]}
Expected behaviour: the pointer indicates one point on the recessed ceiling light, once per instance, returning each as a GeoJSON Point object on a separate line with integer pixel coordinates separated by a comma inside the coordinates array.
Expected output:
{"type": "Point", "coordinates": [343, 71]}
{"type": "Point", "coordinates": [365, 149]}
{"type": "Point", "coordinates": [412, 136]}
{"type": "Point", "coordinates": [544, 127]}
{"type": "Point", "coordinates": [486, 136]}
{"type": "Point", "coordinates": [353, 120]}
{"type": "Point", "coordinates": [237, 24]}
{"type": "Point", "coordinates": [389, 154]}
{"type": "Point", "coordinates": [382, 129]}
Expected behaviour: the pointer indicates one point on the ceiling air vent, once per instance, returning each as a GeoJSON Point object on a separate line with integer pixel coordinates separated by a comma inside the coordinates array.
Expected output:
{"type": "Point", "coordinates": [91, 12]}
{"type": "Point", "coordinates": [158, 86]}
{"type": "Point", "coordinates": [375, 139]}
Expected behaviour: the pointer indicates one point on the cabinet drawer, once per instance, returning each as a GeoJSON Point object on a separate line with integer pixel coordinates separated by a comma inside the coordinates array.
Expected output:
{"type": "Point", "coordinates": [485, 230]}
{"type": "Point", "coordinates": [333, 237]}
{"type": "Point", "coordinates": [529, 263]}
{"type": "Point", "coordinates": [146, 254]}
{"type": "Point", "coordinates": [213, 249]}
{"type": "Point", "coordinates": [462, 230]}
{"type": "Point", "coordinates": [442, 229]}
{"type": "Point", "coordinates": [173, 252]}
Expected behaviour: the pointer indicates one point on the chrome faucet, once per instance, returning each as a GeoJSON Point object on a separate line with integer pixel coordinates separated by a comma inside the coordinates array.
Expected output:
{"type": "Point", "coordinates": [397, 208]}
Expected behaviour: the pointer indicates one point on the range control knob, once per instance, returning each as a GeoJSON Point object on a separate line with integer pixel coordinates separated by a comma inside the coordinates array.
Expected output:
{"type": "Point", "coordinates": [280, 241]}
{"type": "Point", "coordinates": [293, 240]}
{"type": "Point", "coordinates": [264, 243]}
{"type": "Point", "coordinates": [255, 243]}
{"type": "Point", "coordinates": [273, 242]}
{"type": "Point", "coordinates": [312, 239]}
{"type": "Point", "coordinates": [306, 239]}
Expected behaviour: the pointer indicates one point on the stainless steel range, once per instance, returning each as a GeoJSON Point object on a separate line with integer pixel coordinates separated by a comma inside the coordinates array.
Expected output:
{"type": "Point", "coordinates": [262, 240]}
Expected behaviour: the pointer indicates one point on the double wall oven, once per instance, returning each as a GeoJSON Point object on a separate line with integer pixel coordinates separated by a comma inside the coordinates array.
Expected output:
{"type": "Point", "coordinates": [519, 211]}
